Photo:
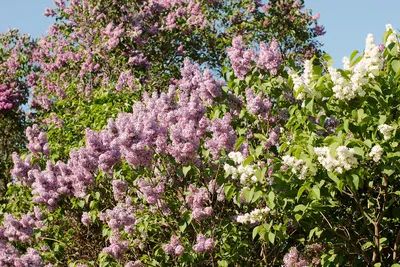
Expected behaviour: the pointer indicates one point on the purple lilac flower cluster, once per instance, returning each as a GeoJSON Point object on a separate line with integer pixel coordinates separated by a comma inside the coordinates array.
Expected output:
{"type": "Point", "coordinates": [258, 105]}
{"type": "Point", "coordinates": [140, 23]}
{"type": "Point", "coordinates": [159, 124]}
{"type": "Point", "coordinates": [203, 244]}
{"type": "Point", "coordinates": [9, 256]}
{"type": "Point", "coordinates": [224, 137]}
{"type": "Point", "coordinates": [150, 193]}
{"type": "Point", "coordinates": [269, 58]}
{"type": "Point", "coordinates": [119, 190]}
{"type": "Point", "coordinates": [174, 247]}
{"type": "Point", "coordinates": [294, 259]}
{"type": "Point", "coordinates": [37, 140]}
{"type": "Point", "coordinates": [240, 57]}
{"type": "Point", "coordinates": [203, 83]}
{"type": "Point", "coordinates": [197, 199]}
{"type": "Point", "coordinates": [15, 52]}
{"type": "Point", "coordinates": [21, 230]}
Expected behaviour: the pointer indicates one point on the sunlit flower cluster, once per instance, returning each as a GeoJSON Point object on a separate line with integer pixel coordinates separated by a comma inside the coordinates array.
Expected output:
{"type": "Point", "coordinates": [253, 217]}
{"type": "Point", "coordinates": [371, 62]}
{"type": "Point", "coordinates": [302, 83]}
{"type": "Point", "coordinates": [342, 160]}
{"type": "Point", "coordinates": [245, 174]}
{"type": "Point", "coordinates": [298, 166]}
{"type": "Point", "coordinates": [386, 130]}
{"type": "Point", "coordinates": [376, 153]}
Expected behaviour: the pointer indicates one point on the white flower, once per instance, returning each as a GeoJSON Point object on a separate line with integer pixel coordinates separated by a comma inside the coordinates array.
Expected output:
{"type": "Point", "coordinates": [392, 37]}
{"type": "Point", "coordinates": [244, 173]}
{"type": "Point", "coordinates": [303, 81]}
{"type": "Point", "coordinates": [386, 130]}
{"type": "Point", "coordinates": [298, 166]}
{"type": "Point", "coordinates": [376, 153]}
{"type": "Point", "coordinates": [253, 217]}
{"type": "Point", "coordinates": [343, 160]}
{"type": "Point", "coordinates": [237, 157]}
{"type": "Point", "coordinates": [370, 62]}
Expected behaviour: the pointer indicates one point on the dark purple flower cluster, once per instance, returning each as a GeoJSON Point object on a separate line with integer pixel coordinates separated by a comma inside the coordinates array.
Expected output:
{"type": "Point", "coordinates": [197, 199]}
{"type": "Point", "coordinates": [117, 247]}
{"type": "Point", "coordinates": [7, 97]}
{"type": "Point", "coordinates": [174, 247]}
{"type": "Point", "coordinates": [203, 244]}
{"type": "Point", "coordinates": [269, 58]}
{"type": "Point", "coordinates": [86, 219]}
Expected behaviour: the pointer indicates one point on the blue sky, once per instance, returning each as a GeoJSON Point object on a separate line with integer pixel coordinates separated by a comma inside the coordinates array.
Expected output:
{"type": "Point", "coordinates": [347, 22]}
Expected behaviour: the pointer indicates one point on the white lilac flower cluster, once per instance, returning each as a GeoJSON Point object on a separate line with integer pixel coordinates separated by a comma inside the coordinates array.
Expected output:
{"type": "Point", "coordinates": [343, 160]}
{"type": "Point", "coordinates": [245, 174]}
{"type": "Point", "coordinates": [386, 130]}
{"type": "Point", "coordinates": [298, 166]}
{"type": "Point", "coordinates": [253, 217]}
{"type": "Point", "coordinates": [392, 38]}
{"type": "Point", "coordinates": [347, 89]}
{"type": "Point", "coordinates": [376, 153]}
{"type": "Point", "coordinates": [302, 81]}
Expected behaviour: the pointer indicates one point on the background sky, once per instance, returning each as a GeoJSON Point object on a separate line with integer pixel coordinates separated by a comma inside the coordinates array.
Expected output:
{"type": "Point", "coordinates": [347, 22]}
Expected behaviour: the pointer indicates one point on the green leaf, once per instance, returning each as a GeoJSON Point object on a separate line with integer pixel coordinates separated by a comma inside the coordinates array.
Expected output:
{"type": "Point", "coordinates": [223, 263]}
{"type": "Point", "coordinates": [248, 160]}
{"type": "Point", "coordinates": [328, 59]}
{"type": "Point", "coordinates": [255, 231]}
{"type": "Point", "coordinates": [316, 191]}
{"type": "Point", "coordinates": [239, 142]}
{"type": "Point", "coordinates": [395, 65]}
{"type": "Point", "coordinates": [256, 196]}
{"type": "Point", "coordinates": [248, 194]}
{"type": "Point", "coordinates": [366, 245]}
{"type": "Point", "coordinates": [310, 106]}
{"type": "Point", "coordinates": [271, 237]}
{"type": "Point", "coordinates": [271, 199]}
{"type": "Point", "coordinates": [229, 191]}
{"type": "Point", "coordinates": [355, 52]}
{"type": "Point", "coordinates": [299, 207]}
{"type": "Point", "coordinates": [356, 180]}
{"type": "Point", "coordinates": [261, 137]}
{"type": "Point", "coordinates": [300, 192]}
{"type": "Point", "coordinates": [186, 169]}
{"type": "Point", "coordinates": [388, 170]}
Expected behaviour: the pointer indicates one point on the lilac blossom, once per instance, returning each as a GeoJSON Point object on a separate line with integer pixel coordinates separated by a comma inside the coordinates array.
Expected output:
{"type": "Point", "coordinates": [203, 244]}
{"type": "Point", "coordinates": [197, 199]}
{"type": "Point", "coordinates": [258, 105]}
{"type": "Point", "coordinates": [174, 247]}
{"type": "Point", "coordinates": [151, 194]}
{"type": "Point", "coordinates": [240, 57]}
{"type": "Point", "coordinates": [223, 136]}
{"type": "Point", "coordinates": [86, 219]}
{"type": "Point", "coordinates": [37, 140]}
{"type": "Point", "coordinates": [270, 57]}
{"type": "Point", "coordinates": [294, 259]}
